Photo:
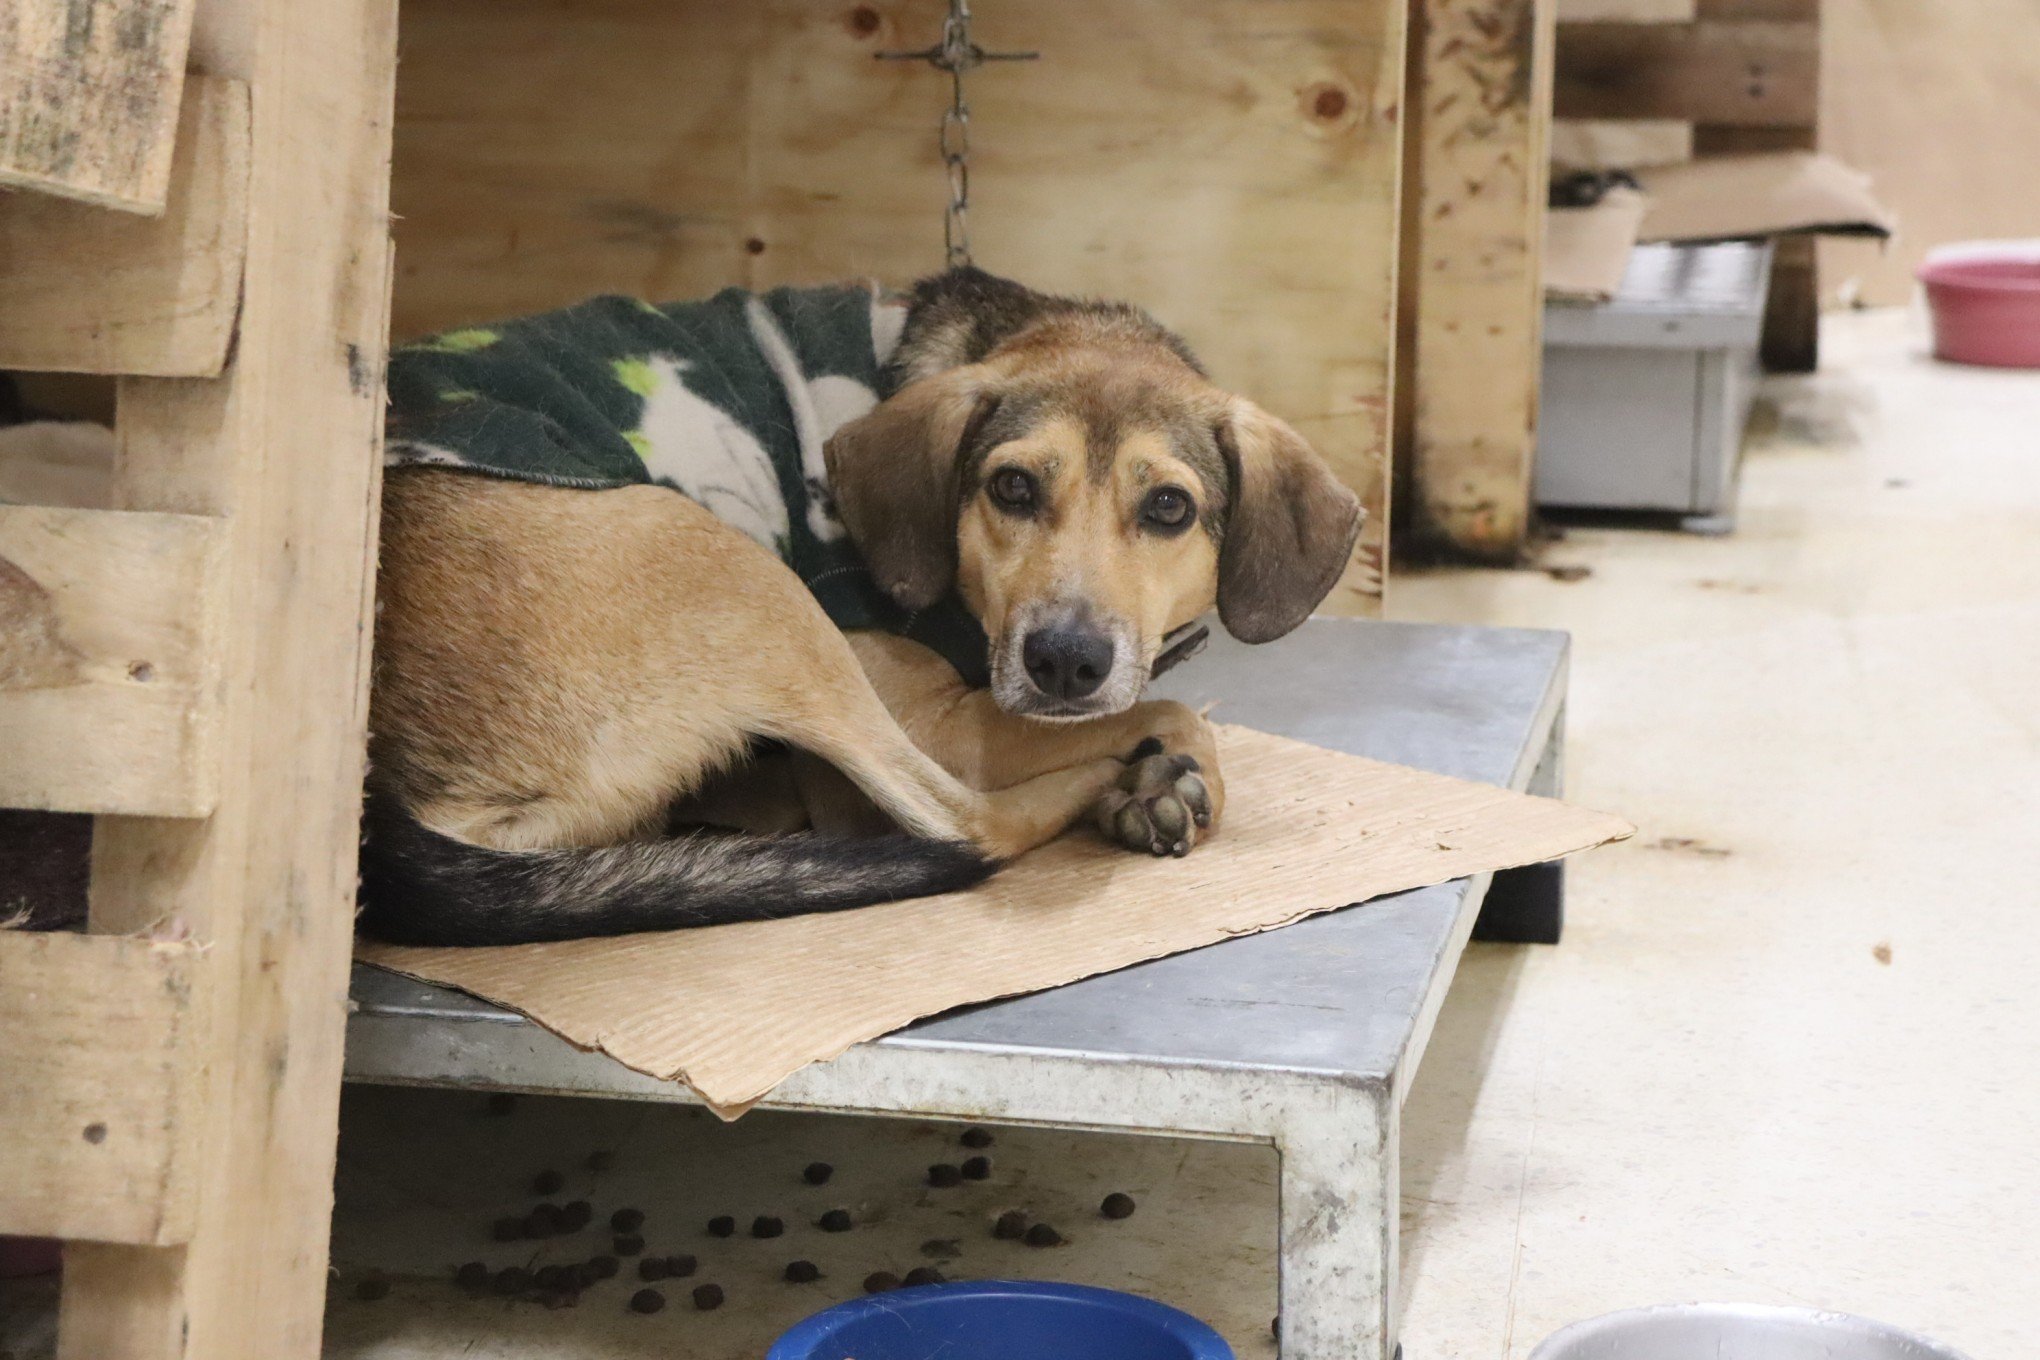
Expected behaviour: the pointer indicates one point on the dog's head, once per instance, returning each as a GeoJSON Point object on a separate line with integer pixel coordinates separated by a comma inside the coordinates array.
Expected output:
{"type": "Point", "coordinates": [1070, 471]}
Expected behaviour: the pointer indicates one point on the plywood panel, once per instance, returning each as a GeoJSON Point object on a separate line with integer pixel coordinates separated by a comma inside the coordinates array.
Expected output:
{"type": "Point", "coordinates": [1476, 213]}
{"type": "Point", "coordinates": [1231, 165]}
{"type": "Point", "coordinates": [83, 290]}
{"type": "Point", "coordinates": [107, 660]}
{"type": "Point", "coordinates": [88, 97]}
{"type": "Point", "coordinates": [99, 1091]}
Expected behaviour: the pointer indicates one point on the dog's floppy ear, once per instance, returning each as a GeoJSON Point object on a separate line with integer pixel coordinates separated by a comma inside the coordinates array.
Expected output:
{"type": "Point", "coordinates": [893, 474]}
{"type": "Point", "coordinates": [1289, 532]}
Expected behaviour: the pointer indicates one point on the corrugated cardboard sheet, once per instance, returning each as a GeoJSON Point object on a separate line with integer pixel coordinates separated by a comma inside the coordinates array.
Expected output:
{"type": "Point", "coordinates": [734, 1010]}
{"type": "Point", "coordinates": [1777, 193]}
{"type": "Point", "coordinates": [1586, 250]}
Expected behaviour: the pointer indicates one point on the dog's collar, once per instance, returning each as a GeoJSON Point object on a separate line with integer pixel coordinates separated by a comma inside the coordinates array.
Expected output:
{"type": "Point", "coordinates": [1179, 646]}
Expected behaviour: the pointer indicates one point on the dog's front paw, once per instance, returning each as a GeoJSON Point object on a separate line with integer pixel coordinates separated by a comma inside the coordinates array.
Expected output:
{"type": "Point", "coordinates": [1160, 805]}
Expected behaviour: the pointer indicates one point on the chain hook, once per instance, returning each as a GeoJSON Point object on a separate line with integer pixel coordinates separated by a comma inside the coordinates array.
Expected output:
{"type": "Point", "coordinates": [956, 54]}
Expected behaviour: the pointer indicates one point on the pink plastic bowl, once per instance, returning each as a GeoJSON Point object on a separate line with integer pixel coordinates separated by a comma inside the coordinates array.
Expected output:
{"type": "Point", "coordinates": [1986, 304]}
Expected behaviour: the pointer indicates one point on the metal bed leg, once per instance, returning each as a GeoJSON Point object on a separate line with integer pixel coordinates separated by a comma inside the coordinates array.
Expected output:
{"type": "Point", "coordinates": [1527, 905]}
{"type": "Point", "coordinates": [1340, 1180]}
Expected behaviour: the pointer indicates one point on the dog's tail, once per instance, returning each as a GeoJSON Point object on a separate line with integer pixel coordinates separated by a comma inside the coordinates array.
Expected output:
{"type": "Point", "coordinates": [421, 887]}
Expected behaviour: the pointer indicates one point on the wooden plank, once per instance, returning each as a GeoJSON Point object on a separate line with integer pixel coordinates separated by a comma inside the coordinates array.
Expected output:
{"type": "Point", "coordinates": [87, 291]}
{"type": "Point", "coordinates": [1778, 11]}
{"type": "Point", "coordinates": [89, 92]}
{"type": "Point", "coordinates": [1230, 164]}
{"type": "Point", "coordinates": [107, 660]}
{"type": "Point", "coordinates": [1728, 74]}
{"type": "Point", "coordinates": [1627, 11]}
{"type": "Point", "coordinates": [99, 1086]}
{"type": "Point", "coordinates": [286, 445]}
{"type": "Point", "coordinates": [1475, 207]}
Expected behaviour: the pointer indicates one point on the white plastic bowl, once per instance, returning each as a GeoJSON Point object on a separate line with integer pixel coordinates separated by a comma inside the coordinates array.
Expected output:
{"type": "Point", "coordinates": [1736, 1331]}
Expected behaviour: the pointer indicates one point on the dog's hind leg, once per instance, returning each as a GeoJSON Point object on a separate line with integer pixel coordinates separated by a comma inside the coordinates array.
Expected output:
{"type": "Point", "coordinates": [839, 718]}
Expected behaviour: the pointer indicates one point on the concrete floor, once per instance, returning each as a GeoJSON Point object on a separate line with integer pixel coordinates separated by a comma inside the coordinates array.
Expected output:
{"type": "Point", "coordinates": [1790, 1049]}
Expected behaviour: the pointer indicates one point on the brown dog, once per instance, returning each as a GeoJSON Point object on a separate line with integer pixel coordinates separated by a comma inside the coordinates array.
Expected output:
{"type": "Point", "coordinates": [562, 674]}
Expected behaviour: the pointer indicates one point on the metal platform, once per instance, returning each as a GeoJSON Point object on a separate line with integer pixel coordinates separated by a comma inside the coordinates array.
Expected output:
{"type": "Point", "coordinates": [1305, 1037]}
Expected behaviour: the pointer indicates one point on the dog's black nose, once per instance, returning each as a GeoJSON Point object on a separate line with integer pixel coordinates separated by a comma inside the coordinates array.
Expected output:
{"type": "Point", "coordinates": [1066, 663]}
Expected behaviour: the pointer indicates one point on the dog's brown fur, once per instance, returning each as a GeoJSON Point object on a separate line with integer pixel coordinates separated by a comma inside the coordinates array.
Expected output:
{"type": "Point", "coordinates": [557, 668]}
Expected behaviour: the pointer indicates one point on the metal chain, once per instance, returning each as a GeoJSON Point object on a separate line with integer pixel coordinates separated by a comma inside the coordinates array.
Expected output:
{"type": "Point", "coordinates": [956, 54]}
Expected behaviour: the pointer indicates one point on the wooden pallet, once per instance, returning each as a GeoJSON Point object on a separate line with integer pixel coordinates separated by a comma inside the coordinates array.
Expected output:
{"type": "Point", "coordinates": [1746, 75]}
{"type": "Point", "coordinates": [191, 665]}
{"type": "Point", "coordinates": [1486, 77]}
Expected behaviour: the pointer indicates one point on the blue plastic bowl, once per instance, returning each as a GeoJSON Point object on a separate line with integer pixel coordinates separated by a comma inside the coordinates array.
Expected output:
{"type": "Point", "coordinates": [1001, 1320]}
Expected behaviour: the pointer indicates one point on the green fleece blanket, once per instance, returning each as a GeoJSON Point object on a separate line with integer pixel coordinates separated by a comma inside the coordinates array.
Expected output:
{"type": "Point", "coordinates": [726, 401]}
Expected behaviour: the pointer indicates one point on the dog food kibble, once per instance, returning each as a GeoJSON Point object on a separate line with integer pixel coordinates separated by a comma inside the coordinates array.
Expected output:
{"type": "Point", "coordinates": [880, 1281]}
{"type": "Point", "coordinates": [652, 1269]}
{"type": "Point", "coordinates": [473, 1275]}
{"type": "Point", "coordinates": [1117, 1205]}
{"type": "Point", "coordinates": [802, 1272]}
{"type": "Point", "coordinates": [605, 1267]}
{"type": "Point", "coordinates": [1011, 1227]}
{"type": "Point", "coordinates": [647, 1301]}
{"type": "Point", "coordinates": [512, 1280]}
{"type": "Point", "coordinates": [680, 1267]}
{"type": "Point", "coordinates": [836, 1220]}
{"type": "Point", "coordinates": [722, 1225]}
{"type": "Point", "coordinates": [585, 1274]}
{"type": "Point", "coordinates": [502, 1103]}
{"type": "Point", "coordinates": [627, 1220]}
{"type": "Point", "coordinates": [976, 1138]}
{"type": "Point", "coordinates": [548, 1183]}
{"type": "Point", "coordinates": [977, 1168]}
{"type": "Point", "coordinates": [708, 1297]}
{"type": "Point", "coordinates": [764, 1225]}
{"type": "Point", "coordinates": [601, 1161]}
{"type": "Point", "coordinates": [925, 1275]}
{"type": "Point", "coordinates": [576, 1216]}
{"type": "Point", "coordinates": [1041, 1235]}
{"type": "Point", "coordinates": [507, 1229]}
{"type": "Point", "coordinates": [372, 1287]}
{"type": "Point", "coordinates": [627, 1244]}
{"type": "Point", "coordinates": [817, 1173]}
{"type": "Point", "coordinates": [553, 1277]}
{"type": "Point", "coordinates": [544, 1220]}
{"type": "Point", "coordinates": [943, 1175]}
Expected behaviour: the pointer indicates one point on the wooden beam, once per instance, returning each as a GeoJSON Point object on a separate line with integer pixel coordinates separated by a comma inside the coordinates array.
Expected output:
{"type": "Point", "coordinates": [99, 1086]}
{"type": "Point", "coordinates": [286, 445]}
{"type": "Point", "coordinates": [88, 98]}
{"type": "Point", "coordinates": [1474, 207]}
{"type": "Point", "coordinates": [1727, 74]}
{"type": "Point", "coordinates": [107, 660]}
{"type": "Point", "coordinates": [83, 290]}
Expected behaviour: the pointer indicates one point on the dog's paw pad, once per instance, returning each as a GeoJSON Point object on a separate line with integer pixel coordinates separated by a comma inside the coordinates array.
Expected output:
{"type": "Point", "coordinates": [1158, 806]}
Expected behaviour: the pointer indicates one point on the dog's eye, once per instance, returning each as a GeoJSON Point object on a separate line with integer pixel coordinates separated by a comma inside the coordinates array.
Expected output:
{"type": "Point", "coordinates": [1013, 489]}
{"type": "Point", "coordinates": [1168, 507]}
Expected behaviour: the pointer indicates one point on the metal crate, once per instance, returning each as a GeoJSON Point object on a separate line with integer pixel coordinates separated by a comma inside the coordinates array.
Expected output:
{"type": "Point", "coordinates": [1645, 395]}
